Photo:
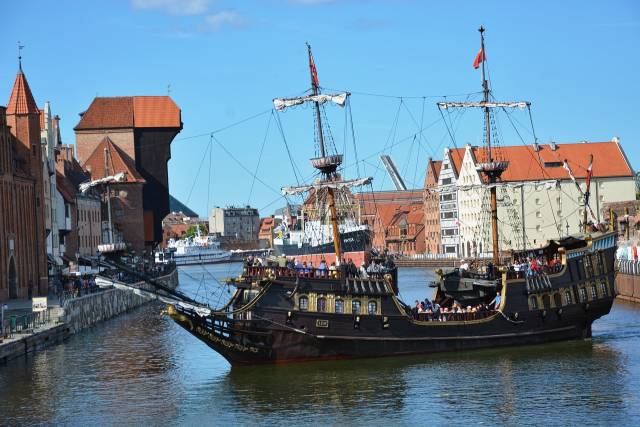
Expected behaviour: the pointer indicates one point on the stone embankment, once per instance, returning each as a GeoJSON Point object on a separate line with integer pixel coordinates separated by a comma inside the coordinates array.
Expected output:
{"type": "Point", "coordinates": [75, 315]}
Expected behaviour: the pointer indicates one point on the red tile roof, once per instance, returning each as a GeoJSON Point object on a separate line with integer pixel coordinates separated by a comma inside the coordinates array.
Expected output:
{"type": "Point", "coordinates": [155, 112]}
{"type": "Point", "coordinates": [118, 161]}
{"type": "Point", "coordinates": [65, 187]}
{"type": "Point", "coordinates": [131, 112]}
{"type": "Point", "coordinates": [525, 164]}
{"type": "Point", "coordinates": [21, 100]}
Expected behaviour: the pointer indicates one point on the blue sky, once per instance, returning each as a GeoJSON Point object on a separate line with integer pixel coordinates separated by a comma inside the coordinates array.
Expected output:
{"type": "Point", "coordinates": [576, 61]}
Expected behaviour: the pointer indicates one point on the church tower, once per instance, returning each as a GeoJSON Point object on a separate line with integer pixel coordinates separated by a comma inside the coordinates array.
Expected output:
{"type": "Point", "coordinates": [23, 118]}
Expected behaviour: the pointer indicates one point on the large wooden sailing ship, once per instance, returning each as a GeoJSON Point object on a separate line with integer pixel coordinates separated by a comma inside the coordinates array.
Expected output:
{"type": "Point", "coordinates": [280, 314]}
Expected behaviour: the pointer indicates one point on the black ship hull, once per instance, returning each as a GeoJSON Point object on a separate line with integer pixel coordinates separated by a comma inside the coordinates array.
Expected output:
{"type": "Point", "coordinates": [273, 326]}
{"type": "Point", "coordinates": [353, 241]}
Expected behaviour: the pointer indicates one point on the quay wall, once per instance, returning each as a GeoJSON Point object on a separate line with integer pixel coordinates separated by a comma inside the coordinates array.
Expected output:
{"type": "Point", "coordinates": [86, 311]}
{"type": "Point", "coordinates": [628, 287]}
{"type": "Point", "coordinates": [78, 314]}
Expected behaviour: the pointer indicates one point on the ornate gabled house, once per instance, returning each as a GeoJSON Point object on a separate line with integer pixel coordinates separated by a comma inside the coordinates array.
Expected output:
{"type": "Point", "coordinates": [142, 127]}
{"type": "Point", "coordinates": [23, 262]}
{"type": "Point", "coordinates": [126, 196]}
{"type": "Point", "coordinates": [448, 208]}
{"type": "Point", "coordinates": [432, 208]}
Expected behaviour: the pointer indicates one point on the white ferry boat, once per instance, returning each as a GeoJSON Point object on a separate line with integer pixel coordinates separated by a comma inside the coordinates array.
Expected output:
{"type": "Point", "coordinates": [196, 250]}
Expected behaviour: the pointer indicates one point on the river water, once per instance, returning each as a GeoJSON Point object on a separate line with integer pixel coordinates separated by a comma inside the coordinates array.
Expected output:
{"type": "Point", "coordinates": [140, 368]}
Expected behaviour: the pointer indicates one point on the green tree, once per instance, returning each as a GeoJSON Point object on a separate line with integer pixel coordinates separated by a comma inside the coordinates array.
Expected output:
{"type": "Point", "coordinates": [192, 231]}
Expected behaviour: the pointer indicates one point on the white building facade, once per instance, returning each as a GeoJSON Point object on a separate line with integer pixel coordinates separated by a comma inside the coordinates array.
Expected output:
{"type": "Point", "coordinates": [447, 188]}
{"type": "Point", "coordinates": [537, 200]}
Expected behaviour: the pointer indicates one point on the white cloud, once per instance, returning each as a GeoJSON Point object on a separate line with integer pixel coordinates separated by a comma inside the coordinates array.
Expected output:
{"type": "Point", "coordinates": [216, 21]}
{"type": "Point", "coordinates": [174, 7]}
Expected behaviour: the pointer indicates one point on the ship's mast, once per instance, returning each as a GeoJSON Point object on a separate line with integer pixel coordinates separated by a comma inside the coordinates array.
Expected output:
{"type": "Point", "coordinates": [490, 168]}
{"type": "Point", "coordinates": [327, 165]}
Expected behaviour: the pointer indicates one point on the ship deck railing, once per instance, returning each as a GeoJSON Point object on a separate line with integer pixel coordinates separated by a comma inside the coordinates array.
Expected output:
{"type": "Point", "coordinates": [450, 316]}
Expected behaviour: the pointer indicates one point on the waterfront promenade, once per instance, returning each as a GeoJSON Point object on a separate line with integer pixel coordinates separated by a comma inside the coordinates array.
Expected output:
{"type": "Point", "coordinates": [26, 332]}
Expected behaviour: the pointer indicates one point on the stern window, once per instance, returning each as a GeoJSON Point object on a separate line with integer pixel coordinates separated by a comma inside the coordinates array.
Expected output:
{"type": "Point", "coordinates": [567, 298]}
{"type": "Point", "coordinates": [603, 289]}
{"type": "Point", "coordinates": [582, 294]}
{"type": "Point", "coordinates": [322, 305]}
{"type": "Point", "coordinates": [373, 307]}
{"type": "Point", "coordinates": [303, 303]}
{"type": "Point", "coordinates": [355, 306]}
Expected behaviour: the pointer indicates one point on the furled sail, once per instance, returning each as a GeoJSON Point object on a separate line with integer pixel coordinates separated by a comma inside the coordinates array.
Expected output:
{"type": "Point", "coordinates": [338, 99]}
{"type": "Point", "coordinates": [484, 104]}
{"type": "Point", "coordinates": [336, 185]}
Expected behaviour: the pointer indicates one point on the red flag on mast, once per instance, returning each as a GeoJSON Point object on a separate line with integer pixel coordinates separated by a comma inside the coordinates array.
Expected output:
{"type": "Point", "coordinates": [314, 72]}
{"type": "Point", "coordinates": [479, 58]}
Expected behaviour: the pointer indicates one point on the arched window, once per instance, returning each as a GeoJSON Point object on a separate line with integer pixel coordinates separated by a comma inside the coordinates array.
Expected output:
{"type": "Point", "coordinates": [321, 305]}
{"type": "Point", "coordinates": [372, 307]}
{"type": "Point", "coordinates": [355, 306]}
{"type": "Point", "coordinates": [533, 303]}
{"type": "Point", "coordinates": [567, 298]}
{"type": "Point", "coordinates": [339, 306]}
{"type": "Point", "coordinates": [303, 303]}
{"type": "Point", "coordinates": [557, 299]}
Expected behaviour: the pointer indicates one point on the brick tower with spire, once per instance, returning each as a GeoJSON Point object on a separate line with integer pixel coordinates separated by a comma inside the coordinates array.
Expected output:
{"type": "Point", "coordinates": [22, 196]}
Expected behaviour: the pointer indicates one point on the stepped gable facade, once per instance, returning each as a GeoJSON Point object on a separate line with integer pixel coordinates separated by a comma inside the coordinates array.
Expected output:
{"type": "Point", "coordinates": [23, 261]}
{"type": "Point", "coordinates": [142, 127]}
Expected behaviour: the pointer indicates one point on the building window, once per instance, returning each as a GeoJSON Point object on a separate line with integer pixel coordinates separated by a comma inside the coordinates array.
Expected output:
{"type": "Point", "coordinates": [303, 303]}
{"type": "Point", "coordinates": [321, 305]}
{"type": "Point", "coordinates": [372, 307]}
{"type": "Point", "coordinates": [355, 306]}
{"type": "Point", "coordinates": [567, 298]}
{"type": "Point", "coordinates": [339, 306]}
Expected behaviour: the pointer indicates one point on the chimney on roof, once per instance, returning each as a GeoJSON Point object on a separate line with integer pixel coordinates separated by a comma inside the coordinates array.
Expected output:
{"type": "Point", "coordinates": [536, 147]}
{"type": "Point", "coordinates": [615, 139]}
{"type": "Point", "coordinates": [553, 145]}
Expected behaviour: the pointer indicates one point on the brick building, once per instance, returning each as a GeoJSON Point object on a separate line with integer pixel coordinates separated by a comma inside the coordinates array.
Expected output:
{"type": "Point", "coordinates": [23, 262]}
{"type": "Point", "coordinates": [432, 207]}
{"type": "Point", "coordinates": [405, 232]}
{"type": "Point", "coordinates": [378, 209]}
{"type": "Point", "coordinates": [142, 128]}
{"type": "Point", "coordinates": [126, 196]}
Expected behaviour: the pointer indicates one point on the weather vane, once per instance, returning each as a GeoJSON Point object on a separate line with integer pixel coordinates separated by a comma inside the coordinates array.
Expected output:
{"type": "Point", "coordinates": [20, 47]}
